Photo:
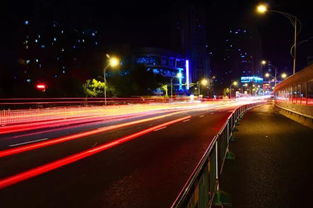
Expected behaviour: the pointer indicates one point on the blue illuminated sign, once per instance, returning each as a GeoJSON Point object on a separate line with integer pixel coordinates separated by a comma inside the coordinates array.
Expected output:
{"type": "Point", "coordinates": [254, 79]}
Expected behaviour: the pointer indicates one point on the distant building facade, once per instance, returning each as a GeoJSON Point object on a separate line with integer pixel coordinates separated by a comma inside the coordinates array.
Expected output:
{"type": "Point", "coordinates": [242, 54]}
{"type": "Point", "coordinates": [189, 37]}
{"type": "Point", "coordinates": [53, 51]}
{"type": "Point", "coordinates": [166, 63]}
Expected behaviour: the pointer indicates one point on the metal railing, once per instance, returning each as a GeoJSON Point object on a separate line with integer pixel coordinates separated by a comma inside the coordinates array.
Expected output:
{"type": "Point", "coordinates": [203, 184]}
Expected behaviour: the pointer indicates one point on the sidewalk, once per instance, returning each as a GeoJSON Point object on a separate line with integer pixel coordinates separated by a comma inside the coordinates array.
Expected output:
{"type": "Point", "coordinates": [273, 167]}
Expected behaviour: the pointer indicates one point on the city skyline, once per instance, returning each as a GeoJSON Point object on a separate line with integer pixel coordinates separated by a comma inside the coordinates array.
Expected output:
{"type": "Point", "coordinates": [138, 25]}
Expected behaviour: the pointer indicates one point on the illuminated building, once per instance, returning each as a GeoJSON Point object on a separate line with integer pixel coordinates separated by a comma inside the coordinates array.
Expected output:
{"type": "Point", "coordinates": [166, 63]}
{"type": "Point", "coordinates": [189, 37]}
{"type": "Point", "coordinates": [241, 55]}
{"type": "Point", "coordinates": [51, 51]}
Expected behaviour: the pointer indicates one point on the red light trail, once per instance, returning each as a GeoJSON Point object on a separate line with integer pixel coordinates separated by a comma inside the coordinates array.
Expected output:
{"type": "Point", "coordinates": [29, 147]}
{"type": "Point", "coordinates": [11, 180]}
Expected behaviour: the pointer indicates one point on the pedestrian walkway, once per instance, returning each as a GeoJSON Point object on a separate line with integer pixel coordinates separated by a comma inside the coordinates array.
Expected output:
{"type": "Point", "coordinates": [273, 165]}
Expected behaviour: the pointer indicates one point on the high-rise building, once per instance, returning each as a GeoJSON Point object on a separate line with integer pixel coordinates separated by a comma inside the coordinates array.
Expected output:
{"type": "Point", "coordinates": [50, 52]}
{"type": "Point", "coordinates": [241, 55]}
{"type": "Point", "coordinates": [190, 38]}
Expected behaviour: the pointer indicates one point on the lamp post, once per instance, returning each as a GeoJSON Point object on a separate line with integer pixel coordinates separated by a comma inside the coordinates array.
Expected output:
{"type": "Point", "coordinates": [112, 62]}
{"type": "Point", "coordinates": [235, 83]}
{"type": "Point", "coordinates": [267, 75]}
{"type": "Point", "coordinates": [178, 76]}
{"type": "Point", "coordinates": [203, 82]}
{"type": "Point", "coordinates": [263, 8]}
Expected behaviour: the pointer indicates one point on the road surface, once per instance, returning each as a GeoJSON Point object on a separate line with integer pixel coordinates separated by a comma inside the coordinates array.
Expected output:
{"type": "Point", "coordinates": [140, 161]}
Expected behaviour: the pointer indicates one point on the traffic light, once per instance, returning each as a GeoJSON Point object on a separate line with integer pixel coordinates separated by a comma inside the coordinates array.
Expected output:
{"type": "Point", "coordinates": [41, 86]}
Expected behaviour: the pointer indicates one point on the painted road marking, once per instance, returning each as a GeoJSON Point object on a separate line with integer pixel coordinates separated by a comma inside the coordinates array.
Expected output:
{"type": "Point", "coordinates": [18, 144]}
{"type": "Point", "coordinates": [201, 116]}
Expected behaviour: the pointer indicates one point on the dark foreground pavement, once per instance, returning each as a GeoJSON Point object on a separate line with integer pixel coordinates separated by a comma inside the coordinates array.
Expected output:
{"type": "Point", "coordinates": [273, 167]}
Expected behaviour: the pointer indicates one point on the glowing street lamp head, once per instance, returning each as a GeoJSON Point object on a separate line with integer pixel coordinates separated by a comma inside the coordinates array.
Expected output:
{"type": "Point", "coordinates": [114, 62]}
{"type": "Point", "coordinates": [267, 75]}
{"type": "Point", "coordinates": [263, 62]}
{"type": "Point", "coordinates": [235, 83]}
{"type": "Point", "coordinates": [262, 8]}
{"type": "Point", "coordinates": [284, 75]}
{"type": "Point", "coordinates": [204, 82]}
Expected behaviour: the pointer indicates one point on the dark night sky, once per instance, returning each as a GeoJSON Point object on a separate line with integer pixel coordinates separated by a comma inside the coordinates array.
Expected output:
{"type": "Point", "coordinates": [146, 23]}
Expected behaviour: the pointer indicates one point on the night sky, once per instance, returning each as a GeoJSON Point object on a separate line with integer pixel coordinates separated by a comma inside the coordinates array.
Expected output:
{"type": "Point", "coordinates": [146, 23]}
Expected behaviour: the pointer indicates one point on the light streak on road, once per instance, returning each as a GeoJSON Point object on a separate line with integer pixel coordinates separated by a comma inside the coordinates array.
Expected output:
{"type": "Point", "coordinates": [17, 150]}
{"type": "Point", "coordinates": [11, 180]}
{"type": "Point", "coordinates": [66, 122]}
{"type": "Point", "coordinates": [14, 117]}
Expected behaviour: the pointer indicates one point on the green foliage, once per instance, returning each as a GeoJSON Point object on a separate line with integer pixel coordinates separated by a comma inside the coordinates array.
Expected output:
{"type": "Point", "coordinates": [93, 88]}
{"type": "Point", "coordinates": [134, 81]}
{"type": "Point", "coordinates": [226, 91]}
{"type": "Point", "coordinates": [165, 88]}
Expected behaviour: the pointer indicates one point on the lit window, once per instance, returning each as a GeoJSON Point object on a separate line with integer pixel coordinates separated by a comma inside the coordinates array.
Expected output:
{"type": "Point", "coordinates": [63, 71]}
{"type": "Point", "coordinates": [54, 39]}
{"type": "Point", "coordinates": [37, 60]}
{"type": "Point", "coordinates": [93, 34]}
{"type": "Point", "coordinates": [96, 43]}
{"type": "Point", "coordinates": [27, 61]}
{"type": "Point", "coordinates": [36, 41]}
{"type": "Point", "coordinates": [74, 46]}
{"type": "Point", "coordinates": [28, 80]}
{"type": "Point", "coordinates": [62, 31]}
{"type": "Point", "coordinates": [39, 36]}
{"type": "Point", "coordinates": [43, 46]}
{"type": "Point", "coordinates": [26, 22]}
{"type": "Point", "coordinates": [62, 49]}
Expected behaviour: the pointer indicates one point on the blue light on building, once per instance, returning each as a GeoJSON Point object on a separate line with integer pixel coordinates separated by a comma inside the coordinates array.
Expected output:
{"type": "Point", "coordinates": [165, 63]}
{"type": "Point", "coordinates": [187, 75]}
{"type": "Point", "coordinates": [249, 79]}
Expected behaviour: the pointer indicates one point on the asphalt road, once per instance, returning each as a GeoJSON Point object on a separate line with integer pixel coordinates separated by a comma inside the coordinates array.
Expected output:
{"type": "Point", "coordinates": [148, 171]}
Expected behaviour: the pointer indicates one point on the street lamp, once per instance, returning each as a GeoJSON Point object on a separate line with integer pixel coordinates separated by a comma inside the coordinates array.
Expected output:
{"type": "Point", "coordinates": [203, 82]}
{"type": "Point", "coordinates": [263, 8]}
{"type": "Point", "coordinates": [263, 62]}
{"type": "Point", "coordinates": [178, 76]}
{"type": "Point", "coordinates": [267, 75]}
{"type": "Point", "coordinates": [284, 75]}
{"type": "Point", "coordinates": [112, 62]}
{"type": "Point", "coordinates": [235, 83]}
